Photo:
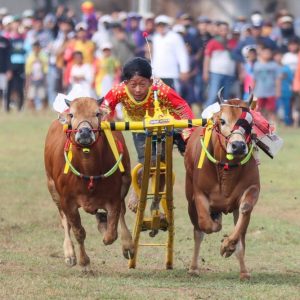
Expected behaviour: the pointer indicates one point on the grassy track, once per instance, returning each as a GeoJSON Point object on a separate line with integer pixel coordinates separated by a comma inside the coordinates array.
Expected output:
{"type": "Point", "coordinates": [31, 256]}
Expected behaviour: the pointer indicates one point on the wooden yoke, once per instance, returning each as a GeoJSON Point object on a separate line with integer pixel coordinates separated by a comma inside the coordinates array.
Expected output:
{"type": "Point", "coordinates": [158, 177]}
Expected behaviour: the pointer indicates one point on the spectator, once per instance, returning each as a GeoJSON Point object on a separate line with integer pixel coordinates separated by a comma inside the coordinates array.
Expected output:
{"type": "Point", "coordinates": [89, 17]}
{"type": "Point", "coordinates": [107, 71]}
{"type": "Point", "coordinates": [82, 44]}
{"type": "Point", "coordinates": [267, 83]}
{"type": "Point", "coordinates": [202, 38]}
{"type": "Point", "coordinates": [247, 73]}
{"type": "Point", "coordinates": [38, 33]}
{"type": "Point", "coordinates": [134, 31]}
{"type": "Point", "coordinates": [219, 67]}
{"type": "Point", "coordinates": [284, 100]}
{"type": "Point", "coordinates": [296, 100]}
{"type": "Point", "coordinates": [81, 74]}
{"type": "Point", "coordinates": [123, 45]}
{"type": "Point", "coordinates": [17, 61]}
{"type": "Point", "coordinates": [36, 69]}
{"type": "Point", "coordinates": [5, 67]}
{"type": "Point", "coordinates": [254, 38]}
{"type": "Point", "coordinates": [170, 57]}
{"type": "Point", "coordinates": [56, 62]}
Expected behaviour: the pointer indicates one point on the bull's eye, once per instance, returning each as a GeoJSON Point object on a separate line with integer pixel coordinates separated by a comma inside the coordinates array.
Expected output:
{"type": "Point", "coordinates": [97, 114]}
{"type": "Point", "coordinates": [222, 121]}
{"type": "Point", "coordinates": [71, 116]}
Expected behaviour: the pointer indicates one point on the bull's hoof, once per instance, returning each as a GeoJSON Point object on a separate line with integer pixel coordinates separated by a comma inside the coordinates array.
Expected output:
{"type": "Point", "coordinates": [194, 271]}
{"type": "Point", "coordinates": [228, 247]}
{"type": "Point", "coordinates": [71, 261]}
{"type": "Point", "coordinates": [245, 276]}
{"type": "Point", "coordinates": [108, 240]}
{"type": "Point", "coordinates": [87, 270]}
{"type": "Point", "coordinates": [128, 253]}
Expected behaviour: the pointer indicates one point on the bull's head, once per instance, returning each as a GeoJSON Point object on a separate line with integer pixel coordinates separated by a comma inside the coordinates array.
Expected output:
{"type": "Point", "coordinates": [83, 118]}
{"type": "Point", "coordinates": [234, 122]}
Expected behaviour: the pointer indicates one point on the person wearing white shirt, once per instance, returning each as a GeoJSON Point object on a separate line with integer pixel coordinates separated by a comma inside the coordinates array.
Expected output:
{"type": "Point", "coordinates": [81, 75]}
{"type": "Point", "coordinates": [170, 56]}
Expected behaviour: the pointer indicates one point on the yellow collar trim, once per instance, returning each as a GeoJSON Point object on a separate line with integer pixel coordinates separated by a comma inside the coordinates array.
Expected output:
{"type": "Point", "coordinates": [137, 102]}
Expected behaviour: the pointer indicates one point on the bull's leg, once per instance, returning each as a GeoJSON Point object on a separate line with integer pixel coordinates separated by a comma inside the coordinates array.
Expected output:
{"type": "Point", "coordinates": [73, 217]}
{"type": "Point", "coordinates": [69, 252]}
{"type": "Point", "coordinates": [229, 244]}
{"type": "Point", "coordinates": [113, 214]}
{"type": "Point", "coordinates": [126, 238]}
{"type": "Point", "coordinates": [205, 221]}
{"type": "Point", "coordinates": [240, 251]}
{"type": "Point", "coordinates": [198, 238]}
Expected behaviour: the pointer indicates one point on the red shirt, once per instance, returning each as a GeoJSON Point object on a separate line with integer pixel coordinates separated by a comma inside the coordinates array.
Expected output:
{"type": "Point", "coordinates": [135, 110]}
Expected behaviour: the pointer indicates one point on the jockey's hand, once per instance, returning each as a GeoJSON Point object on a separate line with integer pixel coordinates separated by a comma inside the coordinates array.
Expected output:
{"type": "Point", "coordinates": [179, 142]}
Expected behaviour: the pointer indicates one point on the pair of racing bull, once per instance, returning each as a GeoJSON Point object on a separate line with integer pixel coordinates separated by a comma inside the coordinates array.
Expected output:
{"type": "Point", "coordinates": [222, 185]}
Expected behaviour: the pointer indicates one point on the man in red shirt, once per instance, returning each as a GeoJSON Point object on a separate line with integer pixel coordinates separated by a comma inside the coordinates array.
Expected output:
{"type": "Point", "coordinates": [219, 66]}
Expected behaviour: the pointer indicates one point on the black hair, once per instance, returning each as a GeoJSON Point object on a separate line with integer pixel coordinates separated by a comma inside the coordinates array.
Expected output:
{"type": "Point", "coordinates": [137, 66]}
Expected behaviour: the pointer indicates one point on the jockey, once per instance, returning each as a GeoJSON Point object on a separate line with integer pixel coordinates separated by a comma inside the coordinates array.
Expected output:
{"type": "Point", "coordinates": [135, 94]}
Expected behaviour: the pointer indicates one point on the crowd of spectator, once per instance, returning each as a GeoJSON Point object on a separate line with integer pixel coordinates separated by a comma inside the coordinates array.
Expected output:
{"type": "Point", "coordinates": [43, 54]}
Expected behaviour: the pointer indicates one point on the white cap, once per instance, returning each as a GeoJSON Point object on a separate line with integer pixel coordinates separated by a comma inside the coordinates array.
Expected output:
{"type": "Point", "coordinates": [106, 19]}
{"type": "Point", "coordinates": [7, 20]}
{"type": "Point", "coordinates": [163, 19]}
{"type": "Point", "coordinates": [148, 15]}
{"type": "Point", "coordinates": [285, 19]}
{"type": "Point", "coordinates": [81, 26]}
{"type": "Point", "coordinates": [28, 13]}
{"type": "Point", "coordinates": [106, 45]}
{"type": "Point", "coordinates": [179, 28]}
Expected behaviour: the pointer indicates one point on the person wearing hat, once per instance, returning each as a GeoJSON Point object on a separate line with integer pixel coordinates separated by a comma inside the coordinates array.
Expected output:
{"type": "Point", "coordinates": [89, 17]}
{"type": "Point", "coordinates": [107, 70]}
{"type": "Point", "coordinates": [170, 56]}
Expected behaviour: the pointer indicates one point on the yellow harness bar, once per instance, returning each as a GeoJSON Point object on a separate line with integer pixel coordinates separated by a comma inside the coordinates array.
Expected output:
{"type": "Point", "coordinates": [142, 125]}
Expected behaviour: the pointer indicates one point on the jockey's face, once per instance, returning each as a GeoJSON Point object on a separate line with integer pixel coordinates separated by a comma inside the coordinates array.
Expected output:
{"type": "Point", "coordinates": [138, 87]}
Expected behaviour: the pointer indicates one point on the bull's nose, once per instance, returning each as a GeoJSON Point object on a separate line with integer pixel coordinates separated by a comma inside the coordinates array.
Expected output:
{"type": "Point", "coordinates": [238, 148]}
{"type": "Point", "coordinates": [85, 132]}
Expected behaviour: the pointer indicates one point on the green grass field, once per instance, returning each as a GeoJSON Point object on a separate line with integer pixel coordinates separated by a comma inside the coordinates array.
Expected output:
{"type": "Point", "coordinates": [31, 255]}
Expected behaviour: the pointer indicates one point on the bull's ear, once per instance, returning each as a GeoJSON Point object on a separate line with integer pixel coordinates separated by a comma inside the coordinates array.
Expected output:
{"type": "Point", "coordinates": [220, 97]}
{"type": "Point", "coordinates": [62, 118]}
{"type": "Point", "coordinates": [68, 102]}
{"type": "Point", "coordinates": [100, 101]}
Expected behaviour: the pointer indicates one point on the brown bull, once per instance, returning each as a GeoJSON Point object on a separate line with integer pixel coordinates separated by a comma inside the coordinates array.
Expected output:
{"type": "Point", "coordinates": [223, 185]}
{"type": "Point", "coordinates": [70, 192]}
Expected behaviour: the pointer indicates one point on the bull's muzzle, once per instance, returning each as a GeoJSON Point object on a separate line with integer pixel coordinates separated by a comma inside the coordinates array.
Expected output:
{"type": "Point", "coordinates": [85, 136]}
{"type": "Point", "coordinates": [239, 148]}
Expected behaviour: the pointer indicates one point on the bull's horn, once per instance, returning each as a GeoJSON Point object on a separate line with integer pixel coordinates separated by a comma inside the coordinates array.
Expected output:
{"type": "Point", "coordinates": [99, 101]}
{"type": "Point", "coordinates": [250, 98]}
{"type": "Point", "coordinates": [220, 97]}
{"type": "Point", "coordinates": [68, 102]}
